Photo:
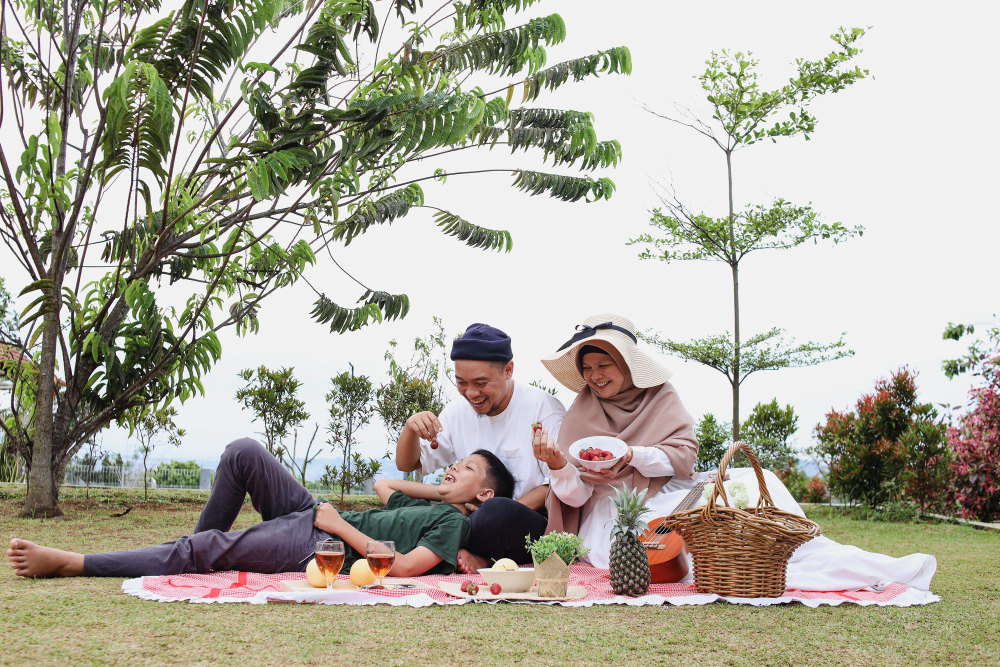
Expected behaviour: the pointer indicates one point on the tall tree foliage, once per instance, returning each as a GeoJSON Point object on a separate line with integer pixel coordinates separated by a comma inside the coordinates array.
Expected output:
{"type": "Point", "coordinates": [743, 114]}
{"type": "Point", "coordinates": [972, 361]}
{"type": "Point", "coordinates": [223, 146]}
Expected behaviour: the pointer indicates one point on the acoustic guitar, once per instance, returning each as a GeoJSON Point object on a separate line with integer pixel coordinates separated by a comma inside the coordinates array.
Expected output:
{"type": "Point", "coordinates": [665, 548]}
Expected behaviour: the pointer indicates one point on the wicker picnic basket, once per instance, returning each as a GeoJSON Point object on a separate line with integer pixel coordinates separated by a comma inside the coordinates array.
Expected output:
{"type": "Point", "coordinates": [741, 553]}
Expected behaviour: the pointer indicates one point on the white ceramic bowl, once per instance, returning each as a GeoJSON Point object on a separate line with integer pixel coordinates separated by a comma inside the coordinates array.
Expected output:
{"type": "Point", "coordinates": [511, 581]}
{"type": "Point", "coordinates": [605, 442]}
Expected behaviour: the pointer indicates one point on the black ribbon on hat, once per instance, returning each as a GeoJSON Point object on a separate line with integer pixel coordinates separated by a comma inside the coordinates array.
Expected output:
{"type": "Point", "coordinates": [584, 332]}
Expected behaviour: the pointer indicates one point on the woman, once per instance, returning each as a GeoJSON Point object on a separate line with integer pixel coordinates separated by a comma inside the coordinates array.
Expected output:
{"type": "Point", "coordinates": [621, 392]}
{"type": "Point", "coordinates": [624, 393]}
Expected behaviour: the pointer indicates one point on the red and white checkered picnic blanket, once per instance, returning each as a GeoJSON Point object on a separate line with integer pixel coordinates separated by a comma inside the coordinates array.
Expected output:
{"type": "Point", "coordinates": [262, 588]}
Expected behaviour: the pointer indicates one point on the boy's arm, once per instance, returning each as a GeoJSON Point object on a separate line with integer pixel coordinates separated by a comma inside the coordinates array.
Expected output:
{"type": "Point", "coordinates": [384, 488]}
{"type": "Point", "coordinates": [411, 564]}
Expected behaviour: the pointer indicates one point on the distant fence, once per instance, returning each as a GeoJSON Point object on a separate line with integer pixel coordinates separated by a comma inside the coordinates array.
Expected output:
{"type": "Point", "coordinates": [130, 477]}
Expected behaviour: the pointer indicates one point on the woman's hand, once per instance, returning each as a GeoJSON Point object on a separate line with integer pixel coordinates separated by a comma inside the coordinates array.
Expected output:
{"type": "Point", "coordinates": [610, 473]}
{"type": "Point", "coordinates": [547, 450]}
{"type": "Point", "coordinates": [328, 519]}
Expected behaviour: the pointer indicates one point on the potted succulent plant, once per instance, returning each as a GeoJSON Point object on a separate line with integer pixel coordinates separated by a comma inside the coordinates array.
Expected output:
{"type": "Point", "coordinates": [553, 554]}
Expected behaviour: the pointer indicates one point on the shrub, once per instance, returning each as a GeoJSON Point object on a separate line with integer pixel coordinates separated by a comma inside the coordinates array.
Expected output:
{"type": "Point", "coordinates": [975, 444]}
{"type": "Point", "coordinates": [890, 447]}
{"type": "Point", "coordinates": [177, 473]}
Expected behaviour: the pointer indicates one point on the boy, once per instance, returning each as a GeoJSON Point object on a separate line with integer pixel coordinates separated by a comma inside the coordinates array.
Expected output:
{"type": "Point", "coordinates": [427, 536]}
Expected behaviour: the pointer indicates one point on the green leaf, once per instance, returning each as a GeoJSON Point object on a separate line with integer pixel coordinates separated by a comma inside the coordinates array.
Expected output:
{"type": "Point", "coordinates": [474, 235]}
{"type": "Point", "coordinates": [566, 188]}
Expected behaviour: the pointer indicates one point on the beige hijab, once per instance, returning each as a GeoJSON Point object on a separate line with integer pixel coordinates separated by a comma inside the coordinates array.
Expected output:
{"type": "Point", "coordinates": [652, 417]}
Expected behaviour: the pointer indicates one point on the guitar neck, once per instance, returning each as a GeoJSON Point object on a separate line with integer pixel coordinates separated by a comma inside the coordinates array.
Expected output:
{"type": "Point", "coordinates": [694, 495]}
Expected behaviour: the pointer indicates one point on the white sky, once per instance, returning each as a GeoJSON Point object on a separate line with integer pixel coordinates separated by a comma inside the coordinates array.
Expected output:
{"type": "Point", "coordinates": [898, 153]}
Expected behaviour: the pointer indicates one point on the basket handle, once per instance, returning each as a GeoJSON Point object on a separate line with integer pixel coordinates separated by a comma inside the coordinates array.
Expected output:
{"type": "Point", "coordinates": [720, 489]}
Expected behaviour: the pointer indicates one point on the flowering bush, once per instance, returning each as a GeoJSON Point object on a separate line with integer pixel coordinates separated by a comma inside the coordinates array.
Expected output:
{"type": "Point", "coordinates": [816, 491]}
{"type": "Point", "coordinates": [889, 447]}
{"type": "Point", "coordinates": [975, 444]}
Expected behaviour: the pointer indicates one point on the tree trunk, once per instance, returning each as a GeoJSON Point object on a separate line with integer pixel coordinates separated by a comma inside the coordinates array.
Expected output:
{"type": "Point", "coordinates": [42, 498]}
{"type": "Point", "coordinates": [48, 446]}
{"type": "Point", "coordinates": [734, 263]}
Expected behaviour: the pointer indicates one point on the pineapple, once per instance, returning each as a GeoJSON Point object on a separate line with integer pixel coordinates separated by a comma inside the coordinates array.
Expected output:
{"type": "Point", "coordinates": [629, 564]}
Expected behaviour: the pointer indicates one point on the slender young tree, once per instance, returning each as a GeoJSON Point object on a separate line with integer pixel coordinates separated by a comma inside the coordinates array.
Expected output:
{"type": "Point", "coordinates": [308, 456]}
{"type": "Point", "coordinates": [744, 114]}
{"type": "Point", "coordinates": [94, 452]}
{"type": "Point", "coordinates": [419, 386]}
{"type": "Point", "coordinates": [271, 396]}
{"type": "Point", "coordinates": [149, 426]}
{"type": "Point", "coordinates": [223, 146]}
{"type": "Point", "coordinates": [352, 405]}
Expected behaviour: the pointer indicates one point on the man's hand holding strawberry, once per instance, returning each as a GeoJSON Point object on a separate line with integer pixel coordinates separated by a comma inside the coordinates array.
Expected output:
{"type": "Point", "coordinates": [425, 425]}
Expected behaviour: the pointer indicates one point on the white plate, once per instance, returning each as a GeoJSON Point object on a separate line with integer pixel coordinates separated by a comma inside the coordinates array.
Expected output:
{"type": "Point", "coordinates": [605, 442]}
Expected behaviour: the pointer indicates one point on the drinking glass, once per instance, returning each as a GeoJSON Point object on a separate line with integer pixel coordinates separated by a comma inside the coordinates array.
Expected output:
{"type": "Point", "coordinates": [380, 555]}
{"type": "Point", "coordinates": [330, 558]}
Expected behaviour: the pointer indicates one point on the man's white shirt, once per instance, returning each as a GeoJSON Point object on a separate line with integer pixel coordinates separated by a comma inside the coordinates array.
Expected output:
{"type": "Point", "coordinates": [508, 435]}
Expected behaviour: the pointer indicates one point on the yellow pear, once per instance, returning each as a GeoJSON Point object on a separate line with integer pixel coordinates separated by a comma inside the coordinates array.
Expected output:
{"type": "Point", "coordinates": [361, 574]}
{"type": "Point", "coordinates": [505, 564]}
{"type": "Point", "coordinates": [314, 575]}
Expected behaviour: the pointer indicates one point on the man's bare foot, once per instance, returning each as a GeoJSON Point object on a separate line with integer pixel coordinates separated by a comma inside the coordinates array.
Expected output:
{"type": "Point", "coordinates": [32, 560]}
{"type": "Point", "coordinates": [470, 563]}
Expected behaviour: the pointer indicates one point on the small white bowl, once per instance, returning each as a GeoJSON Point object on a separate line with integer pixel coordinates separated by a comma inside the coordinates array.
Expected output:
{"type": "Point", "coordinates": [511, 581]}
{"type": "Point", "coordinates": [605, 442]}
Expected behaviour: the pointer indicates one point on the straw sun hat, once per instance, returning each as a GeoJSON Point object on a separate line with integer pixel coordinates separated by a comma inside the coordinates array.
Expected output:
{"type": "Point", "coordinates": [614, 330]}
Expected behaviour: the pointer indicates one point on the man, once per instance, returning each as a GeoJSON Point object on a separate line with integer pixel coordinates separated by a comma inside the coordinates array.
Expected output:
{"type": "Point", "coordinates": [427, 536]}
{"type": "Point", "coordinates": [497, 415]}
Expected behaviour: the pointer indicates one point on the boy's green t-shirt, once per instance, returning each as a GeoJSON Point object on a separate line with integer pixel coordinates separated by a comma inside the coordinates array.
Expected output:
{"type": "Point", "coordinates": [412, 523]}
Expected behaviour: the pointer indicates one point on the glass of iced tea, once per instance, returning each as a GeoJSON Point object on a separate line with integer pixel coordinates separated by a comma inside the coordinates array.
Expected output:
{"type": "Point", "coordinates": [330, 558]}
{"type": "Point", "coordinates": [380, 555]}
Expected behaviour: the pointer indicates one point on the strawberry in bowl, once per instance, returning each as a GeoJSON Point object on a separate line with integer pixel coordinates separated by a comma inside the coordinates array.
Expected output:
{"type": "Point", "coordinates": [598, 452]}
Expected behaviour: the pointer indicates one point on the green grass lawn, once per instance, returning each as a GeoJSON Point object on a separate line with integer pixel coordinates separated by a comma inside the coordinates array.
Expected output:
{"type": "Point", "coordinates": [91, 621]}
